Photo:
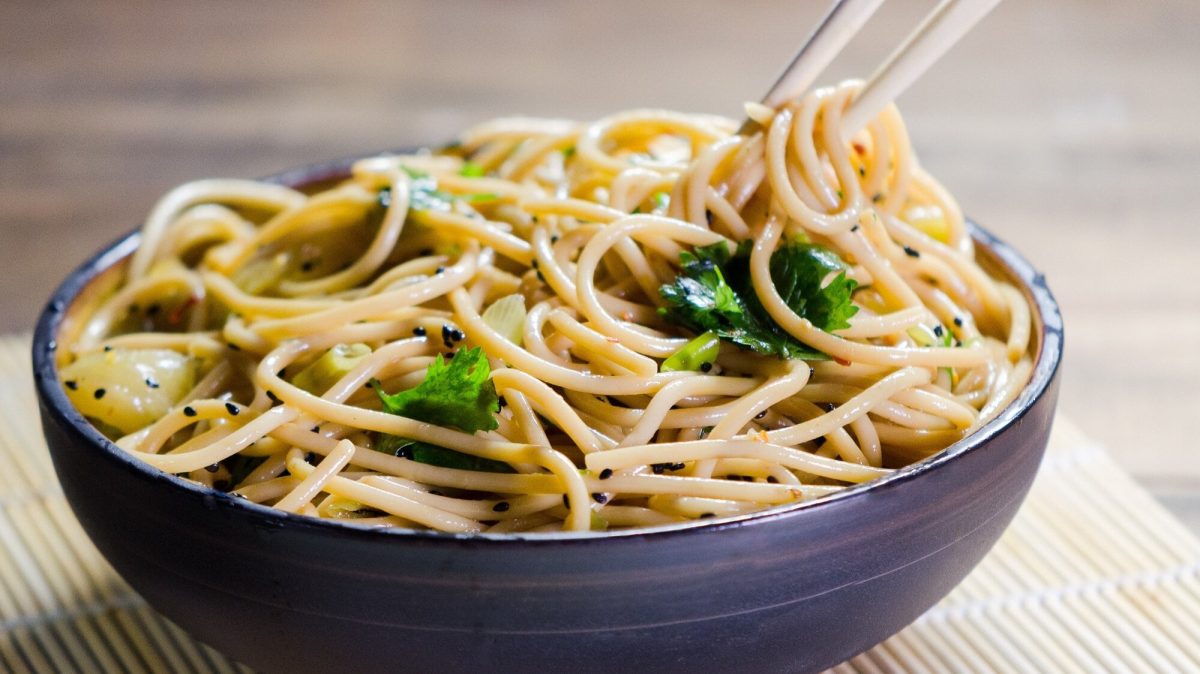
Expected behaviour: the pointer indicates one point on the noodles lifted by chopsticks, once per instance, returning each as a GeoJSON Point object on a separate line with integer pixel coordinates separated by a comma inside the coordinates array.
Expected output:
{"type": "Point", "coordinates": [549, 325]}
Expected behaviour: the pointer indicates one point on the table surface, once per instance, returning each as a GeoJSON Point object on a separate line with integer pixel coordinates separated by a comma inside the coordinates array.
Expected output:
{"type": "Point", "coordinates": [1069, 128]}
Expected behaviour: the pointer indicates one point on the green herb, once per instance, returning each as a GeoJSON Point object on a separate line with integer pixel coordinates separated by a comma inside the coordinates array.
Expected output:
{"type": "Point", "coordinates": [661, 201]}
{"type": "Point", "coordinates": [568, 152]}
{"type": "Point", "coordinates": [714, 293]}
{"type": "Point", "coordinates": [471, 170]}
{"type": "Point", "coordinates": [424, 195]}
{"type": "Point", "coordinates": [458, 394]}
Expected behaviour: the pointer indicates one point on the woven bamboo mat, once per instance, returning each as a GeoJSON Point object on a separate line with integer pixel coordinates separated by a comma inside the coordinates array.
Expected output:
{"type": "Point", "coordinates": [1093, 575]}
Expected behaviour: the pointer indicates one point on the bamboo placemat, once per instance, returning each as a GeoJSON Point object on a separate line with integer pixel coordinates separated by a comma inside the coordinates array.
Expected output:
{"type": "Point", "coordinates": [1093, 575]}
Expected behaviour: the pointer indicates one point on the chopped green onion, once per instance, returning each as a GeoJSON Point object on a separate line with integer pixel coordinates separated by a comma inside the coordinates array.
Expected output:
{"type": "Point", "coordinates": [507, 317]}
{"type": "Point", "coordinates": [694, 355]}
{"type": "Point", "coordinates": [327, 370]}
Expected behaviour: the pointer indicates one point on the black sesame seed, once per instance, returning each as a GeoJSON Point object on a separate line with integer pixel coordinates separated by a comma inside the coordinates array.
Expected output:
{"type": "Point", "coordinates": [958, 321]}
{"type": "Point", "coordinates": [937, 330]}
{"type": "Point", "coordinates": [457, 335]}
{"type": "Point", "coordinates": [501, 506]}
{"type": "Point", "coordinates": [658, 468]}
{"type": "Point", "coordinates": [232, 409]}
{"type": "Point", "coordinates": [189, 411]}
{"type": "Point", "coordinates": [553, 238]}
{"type": "Point", "coordinates": [316, 429]}
{"type": "Point", "coordinates": [911, 252]}
{"type": "Point", "coordinates": [705, 367]}
{"type": "Point", "coordinates": [419, 331]}
{"type": "Point", "coordinates": [310, 457]}
{"type": "Point", "coordinates": [99, 393]}
{"type": "Point", "coordinates": [541, 277]}
{"type": "Point", "coordinates": [677, 466]}
{"type": "Point", "coordinates": [704, 516]}
{"type": "Point", "coordinates": [212, 468]}
{"type": "Point", "coordinates": [71, 384]}
{"type": "Point", "coordinates": [446, 332]}
{"type": "Point", "coordinates": [439, 270]}
{"type": "Point", "coordinates": [107, 349]}
{"type": "Point", "coordinates": [877, 198]}
{"type": "Point", "coordinates": [599, 498]}
{"type": "Point", "coordinates": [606, 473]}
{"type": "Point", "coordinates": [854, 228]}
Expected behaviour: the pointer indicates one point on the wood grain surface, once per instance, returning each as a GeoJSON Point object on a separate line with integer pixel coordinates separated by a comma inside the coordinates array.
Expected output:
{"type": "Point", "coordinates": [1068, 127]}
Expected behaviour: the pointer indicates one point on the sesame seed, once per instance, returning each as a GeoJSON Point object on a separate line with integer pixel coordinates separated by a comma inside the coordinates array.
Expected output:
{"type": "Point", "coordinates": [316, 429]}
{"type": "Point", "coordinates": [606, 473]}
{"type": "Point", "coordinates": [212, 468]}
{"type": "Point", "coordinates": [310, 457]}
{"type": "Point", "coordinates": [958, 321]}
{"type": "Point", "coordinates": [419, 331]}
{"type": "Point", "coordinates": [911, 252]}
{"type": "Point", "coordinates": [99, 393]}
{"type": "Point", "coordinates": [854, 228]}
{"type": "Point", "coordinates": [439, 270]}
{"type": "Point", "coordinates": [189, 411]}
{"type": "Point", "coordinates": [71, 384]}
{"type": "Point", "coordinates": [232, 409]}
{"type": "Point", "coordinates": [501, 506]}
{"type": "Point", "coordinates": [107, 348]}
{"type": "Point", "coordinates": [658, 468]}
{"type": "Point", "coordinates": [446, 332]}
{"type": "Point", "coordinates": [705, 367]}
{"type": "Point", "coordinates": [554, 238]}
{"type": "Point", "coordinates": [599, 498]}
{"type": "Point", "coordinates": [457, 335]}
{"type": "Point", "coordinates": [704, 516]}
{"type": "Point", "coordinates": [938, 330]}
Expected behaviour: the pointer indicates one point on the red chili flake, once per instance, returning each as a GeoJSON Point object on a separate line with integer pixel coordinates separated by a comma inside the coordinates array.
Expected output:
{"type": "Point", "coordinates": [860, 148]}
{"type": "Point", "coordinates": [839, 361]}
{"type": "Point", "coordinates": [176, 314]}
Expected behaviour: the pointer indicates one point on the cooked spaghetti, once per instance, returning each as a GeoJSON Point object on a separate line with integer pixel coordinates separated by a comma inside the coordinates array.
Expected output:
{"type": "Point", "coordinates": [548, 325]}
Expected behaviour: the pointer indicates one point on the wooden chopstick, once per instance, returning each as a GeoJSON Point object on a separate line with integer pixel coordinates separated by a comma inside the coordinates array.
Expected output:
{"type": "Point", "coordinates": [940, 30]}
{"type": "Point", "coordinates": [843, 20]}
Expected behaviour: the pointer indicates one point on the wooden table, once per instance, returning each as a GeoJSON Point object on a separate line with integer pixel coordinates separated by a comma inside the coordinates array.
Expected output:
{"type": "Point", "coordinates": [1068, 127]}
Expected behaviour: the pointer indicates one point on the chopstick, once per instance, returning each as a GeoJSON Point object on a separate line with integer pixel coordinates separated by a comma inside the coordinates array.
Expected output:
{"type": "Point", "coordinates": [944, 26]}
{"type": "Point", "coordinates": [843, 20]}
{"type": "Point", "coordinates": [940, 30]}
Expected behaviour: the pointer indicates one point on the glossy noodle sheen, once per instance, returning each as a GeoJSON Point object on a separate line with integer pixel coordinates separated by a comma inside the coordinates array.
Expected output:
{"type": "Point", "coordinates": [259, 330]}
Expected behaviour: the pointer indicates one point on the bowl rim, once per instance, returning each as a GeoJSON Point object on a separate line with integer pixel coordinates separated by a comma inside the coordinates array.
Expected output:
{"type": "Point", "coordinates": [1048, 330]}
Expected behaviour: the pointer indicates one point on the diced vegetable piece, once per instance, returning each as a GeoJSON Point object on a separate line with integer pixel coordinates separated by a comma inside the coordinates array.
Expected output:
{"type": "Point", "coordinates": [507, 317]}
{"type": "Point", "coordinates": [128, 389]}
{"type": "Point", "coordinates": [327, 370]}
{"type": "Point", "coordinates": [261, 274]}
{"type": "Point", "coordinates": [929, 219]}
{"type": "Point", "coordinates": [694, 355]}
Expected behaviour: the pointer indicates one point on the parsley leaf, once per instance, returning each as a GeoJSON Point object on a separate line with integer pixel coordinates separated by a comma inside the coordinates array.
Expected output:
{"type": "Point", "coordinates": [714, 293]}
{"type": "Point", "coordinates": [458, 394]}
{"type": "Point", "coordinates": [424, 195]}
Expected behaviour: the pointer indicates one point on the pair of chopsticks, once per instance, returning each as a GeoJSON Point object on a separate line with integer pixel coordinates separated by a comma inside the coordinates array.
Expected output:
{"type": "Point", "coordinates": [943, 27]}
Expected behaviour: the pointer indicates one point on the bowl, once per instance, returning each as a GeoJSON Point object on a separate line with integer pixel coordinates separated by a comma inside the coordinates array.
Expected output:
{"type": "Point", "coordinates": [795, 588]}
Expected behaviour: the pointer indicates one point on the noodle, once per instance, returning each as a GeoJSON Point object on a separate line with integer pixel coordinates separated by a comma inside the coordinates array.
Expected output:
{"type": "Point", "coordinates": [274, 336]}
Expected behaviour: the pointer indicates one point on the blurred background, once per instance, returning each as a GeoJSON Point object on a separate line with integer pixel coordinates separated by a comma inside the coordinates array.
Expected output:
{"type": "Point", "coordinates": [1070, 128]}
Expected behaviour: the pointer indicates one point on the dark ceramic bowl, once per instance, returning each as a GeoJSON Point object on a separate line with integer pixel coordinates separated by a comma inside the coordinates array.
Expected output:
{"type": "Point", "coordinates": [796, 588]}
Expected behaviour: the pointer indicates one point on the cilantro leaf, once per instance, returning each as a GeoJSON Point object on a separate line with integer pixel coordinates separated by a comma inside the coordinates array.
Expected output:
{"type": "Point", "coordinates": [714, 293]}
{"type": "Point", "coordinates": [458, 394]}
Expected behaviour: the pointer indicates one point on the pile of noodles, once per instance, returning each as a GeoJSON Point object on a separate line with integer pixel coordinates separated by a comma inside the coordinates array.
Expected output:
{"type": "Point", "coordinates": [249, 282]}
